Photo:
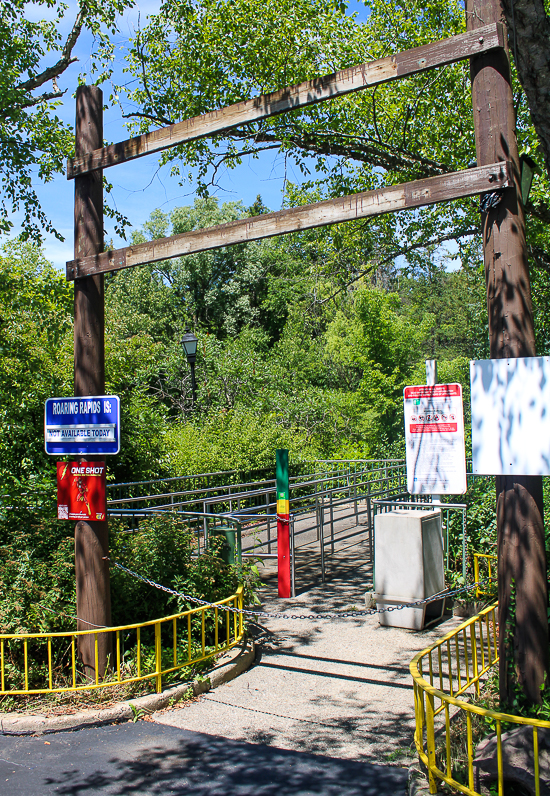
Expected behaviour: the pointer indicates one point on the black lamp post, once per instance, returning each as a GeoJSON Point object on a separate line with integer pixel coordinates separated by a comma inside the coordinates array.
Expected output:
{"type": "Point", "coordinates": [189, 343]}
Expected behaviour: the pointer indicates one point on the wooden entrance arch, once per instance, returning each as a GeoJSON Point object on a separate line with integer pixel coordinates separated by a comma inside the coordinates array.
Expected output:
{"type": "Point", "coordinates": [508, 290]}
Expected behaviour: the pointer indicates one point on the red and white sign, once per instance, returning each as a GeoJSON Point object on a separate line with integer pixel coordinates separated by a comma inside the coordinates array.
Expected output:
{"type": "Point", "coordinates": [434, 436]}
{"type": "Point", "coordinates": [81, 491]}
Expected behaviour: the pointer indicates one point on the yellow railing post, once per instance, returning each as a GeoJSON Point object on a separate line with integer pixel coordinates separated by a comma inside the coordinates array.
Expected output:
{"type": "Point", "coordinates": [25, 652]}
{"type": "Point", "coordinates": [50, 673]}
{"type": "Point", "coordinates": [241, 618]}
{"type": "Point", "coordinates": [500, 767]}
{"type": "Point", "coordinates": [118, 655]}
{"type": "Point", "coordinates": [536, 759]}
{"type": "Point", "coordinates": [430, 741]}
{"type": "Point", "coordinates": [158, 657]}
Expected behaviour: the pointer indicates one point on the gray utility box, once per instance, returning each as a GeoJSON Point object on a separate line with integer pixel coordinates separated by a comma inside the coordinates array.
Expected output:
{"type": "Point", "coordinates": [408, 566]}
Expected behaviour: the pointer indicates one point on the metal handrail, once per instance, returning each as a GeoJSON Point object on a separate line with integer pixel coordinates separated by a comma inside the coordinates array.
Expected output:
{"type": "Point", "coordinates": [234, 631]}
{"type": "Point", "coordinates": [315, 497]}
{"type": "Point", "coordinates": [382, 465]}
{"type": "Point", "coordinates": [473, 648]}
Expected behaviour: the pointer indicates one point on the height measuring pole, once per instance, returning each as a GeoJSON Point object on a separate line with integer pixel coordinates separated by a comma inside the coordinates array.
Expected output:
{"type": "Point", "coordinates": [283, 524]}
{"type": "Point", "coordinates": [521, 550]}
{"type": "Point", "coordinates": [93, 599]}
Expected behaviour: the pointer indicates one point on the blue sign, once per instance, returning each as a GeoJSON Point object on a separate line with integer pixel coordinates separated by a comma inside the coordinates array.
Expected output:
{"type": "Point", "coordinates": [84, 426]}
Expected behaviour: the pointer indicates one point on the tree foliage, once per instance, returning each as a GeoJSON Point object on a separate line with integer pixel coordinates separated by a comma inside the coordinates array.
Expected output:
{"type": "Point", "coordinates": [34, 56]}
{"type": "Point", "coordinates": [192, 58]}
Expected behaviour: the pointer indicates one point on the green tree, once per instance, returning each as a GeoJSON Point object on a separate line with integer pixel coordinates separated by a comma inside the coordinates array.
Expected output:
{"type": "Point", "coordinates": [34, 56]}
{"type": "Point", "coordinates": [370, 336]}
{"type": "Point", "coordinates": [193, 58]}
{"type": "Point", "coordinates": [35, 361]}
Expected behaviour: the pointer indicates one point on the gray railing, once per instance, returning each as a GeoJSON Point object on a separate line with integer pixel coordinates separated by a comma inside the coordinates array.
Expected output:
{"type": "Point", "coordinates": [325, 495]}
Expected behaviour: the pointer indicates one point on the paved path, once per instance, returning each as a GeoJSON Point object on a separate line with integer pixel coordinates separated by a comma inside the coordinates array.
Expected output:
{"type": "Point", "coordinates": [325, 711]}
{"type": "Point", "coordinates": [338, 687]}
{"type": "Point", "coordinates": [154, 760]}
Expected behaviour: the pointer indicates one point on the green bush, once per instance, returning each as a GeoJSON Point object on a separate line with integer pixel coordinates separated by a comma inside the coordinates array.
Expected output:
{"type": "Point", "coordinates": [37, 579]}
{"type": "Point", "coordinates": [164, 550]}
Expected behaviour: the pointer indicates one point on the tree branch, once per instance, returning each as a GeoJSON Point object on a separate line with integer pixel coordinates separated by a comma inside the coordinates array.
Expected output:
{"type": "Point", "coordinates": [162, 120]}
{"type": "Point", "coordinates": [49, 95]}
{"type": "Point", "coordinates": [422, 244]}
{"type": "Point", "coordinates": [66, 57]}
{"type": "Point", "coordinates": [381, 155]}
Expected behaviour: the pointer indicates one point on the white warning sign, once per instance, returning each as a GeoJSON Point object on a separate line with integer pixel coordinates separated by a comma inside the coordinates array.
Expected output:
{"type": "Point", "coordinates": [434, 436]}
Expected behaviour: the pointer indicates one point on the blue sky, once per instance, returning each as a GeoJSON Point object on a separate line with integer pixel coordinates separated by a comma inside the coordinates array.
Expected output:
{"type": "Point", "coordinates": [139, 186]}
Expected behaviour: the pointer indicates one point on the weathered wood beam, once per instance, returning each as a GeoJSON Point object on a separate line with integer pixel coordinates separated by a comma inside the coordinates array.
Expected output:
{"type": "Point", "coordinates": [355, 78]}
{"type": "Point", "coordinates": [332, 211]}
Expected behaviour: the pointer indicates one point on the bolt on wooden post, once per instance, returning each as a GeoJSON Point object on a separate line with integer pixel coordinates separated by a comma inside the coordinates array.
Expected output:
{"type": "Point", "coordinates": [521, 549]}
{"type": "Point", "coordinates": [93, 598]}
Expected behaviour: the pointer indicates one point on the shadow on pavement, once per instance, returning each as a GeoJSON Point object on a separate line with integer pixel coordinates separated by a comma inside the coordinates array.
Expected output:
{"type": "Point", "coordinates": [152, 759]}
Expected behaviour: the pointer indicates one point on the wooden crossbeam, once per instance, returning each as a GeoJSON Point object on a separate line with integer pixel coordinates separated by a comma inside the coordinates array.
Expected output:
{"type": "Point", "coordinates": [332, 211]}
{"type": "Point", "coordinates": [418, 59]}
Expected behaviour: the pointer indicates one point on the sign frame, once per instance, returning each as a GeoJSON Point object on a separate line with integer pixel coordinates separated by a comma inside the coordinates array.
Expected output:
{"type": "Point", "coordinates": [88, 425]}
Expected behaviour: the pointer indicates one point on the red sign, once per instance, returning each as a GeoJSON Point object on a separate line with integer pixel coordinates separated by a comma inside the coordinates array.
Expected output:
{"type": "Point", "coordinates": [430, 428]}
{"type": "Point", "coordinates": [81, 491]}
{"type": "Point", "coordinates": [432, 391]}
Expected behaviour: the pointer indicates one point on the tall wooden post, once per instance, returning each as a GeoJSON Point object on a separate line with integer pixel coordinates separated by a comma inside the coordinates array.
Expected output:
{"type": "Point", "coordinates": [93, 599]}
{"type": "Point", "coordinates": [522, 585]}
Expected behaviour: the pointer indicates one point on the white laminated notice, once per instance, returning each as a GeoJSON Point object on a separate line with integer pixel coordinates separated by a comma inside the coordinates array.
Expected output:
{"type": "Point", "coordinates": [511, 416]}
{"type": "Point", "coordinates": [434, 437]}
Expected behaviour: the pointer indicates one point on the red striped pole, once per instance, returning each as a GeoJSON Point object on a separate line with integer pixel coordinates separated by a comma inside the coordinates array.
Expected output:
{"type": "Point", "coordinates": [283, 524]}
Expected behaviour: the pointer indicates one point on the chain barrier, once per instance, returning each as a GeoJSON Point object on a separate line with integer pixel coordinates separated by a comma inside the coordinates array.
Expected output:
{"type": "Point", "coordinates": [70, 616]}
{"type": "Point", "coordinates": [276, 615]}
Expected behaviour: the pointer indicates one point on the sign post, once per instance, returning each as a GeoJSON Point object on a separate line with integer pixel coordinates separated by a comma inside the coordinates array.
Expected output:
{"type": "Point", "coordinates": [431, 379]}
{"type": "Point", "coordinates": [283, 524]}
{"type": "Point", "coordinates": [93, 593]}
{"type": "Point", "coordinates": [520, 515]}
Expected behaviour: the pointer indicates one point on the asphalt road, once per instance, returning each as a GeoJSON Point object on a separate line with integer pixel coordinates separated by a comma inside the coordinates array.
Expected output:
{"type": "Point", "coordinates": [152, 759]}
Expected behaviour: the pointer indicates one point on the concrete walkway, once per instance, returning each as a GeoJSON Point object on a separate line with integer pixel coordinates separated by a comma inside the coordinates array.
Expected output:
{"type": "Point", "coordinates": [337, 687]}
{"type": "Point", "coordinates": [326, 710]}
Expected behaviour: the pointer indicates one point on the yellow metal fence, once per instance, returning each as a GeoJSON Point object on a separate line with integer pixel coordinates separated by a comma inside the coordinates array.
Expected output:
{"type": "Point", "coordinates": [448, 726]}
{"type": "Point", "coordinates": [42, 663]}
{"type": "Point", "coordinates": [485, 569]}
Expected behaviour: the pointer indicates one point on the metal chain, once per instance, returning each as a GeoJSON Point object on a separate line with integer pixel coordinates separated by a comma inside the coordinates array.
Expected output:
{"type": "Point", "coordinates": [272, 615]}
{"type": "Point", "coordinates": [70, 616]}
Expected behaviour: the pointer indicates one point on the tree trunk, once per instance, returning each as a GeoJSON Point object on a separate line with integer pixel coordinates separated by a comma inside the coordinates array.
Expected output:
{"type": "Point", "coordinates": [529, 39]}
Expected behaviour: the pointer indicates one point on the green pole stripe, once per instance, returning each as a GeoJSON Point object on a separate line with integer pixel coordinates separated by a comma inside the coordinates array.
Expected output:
{"type": "Point", "coordinates": [282, 474]}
